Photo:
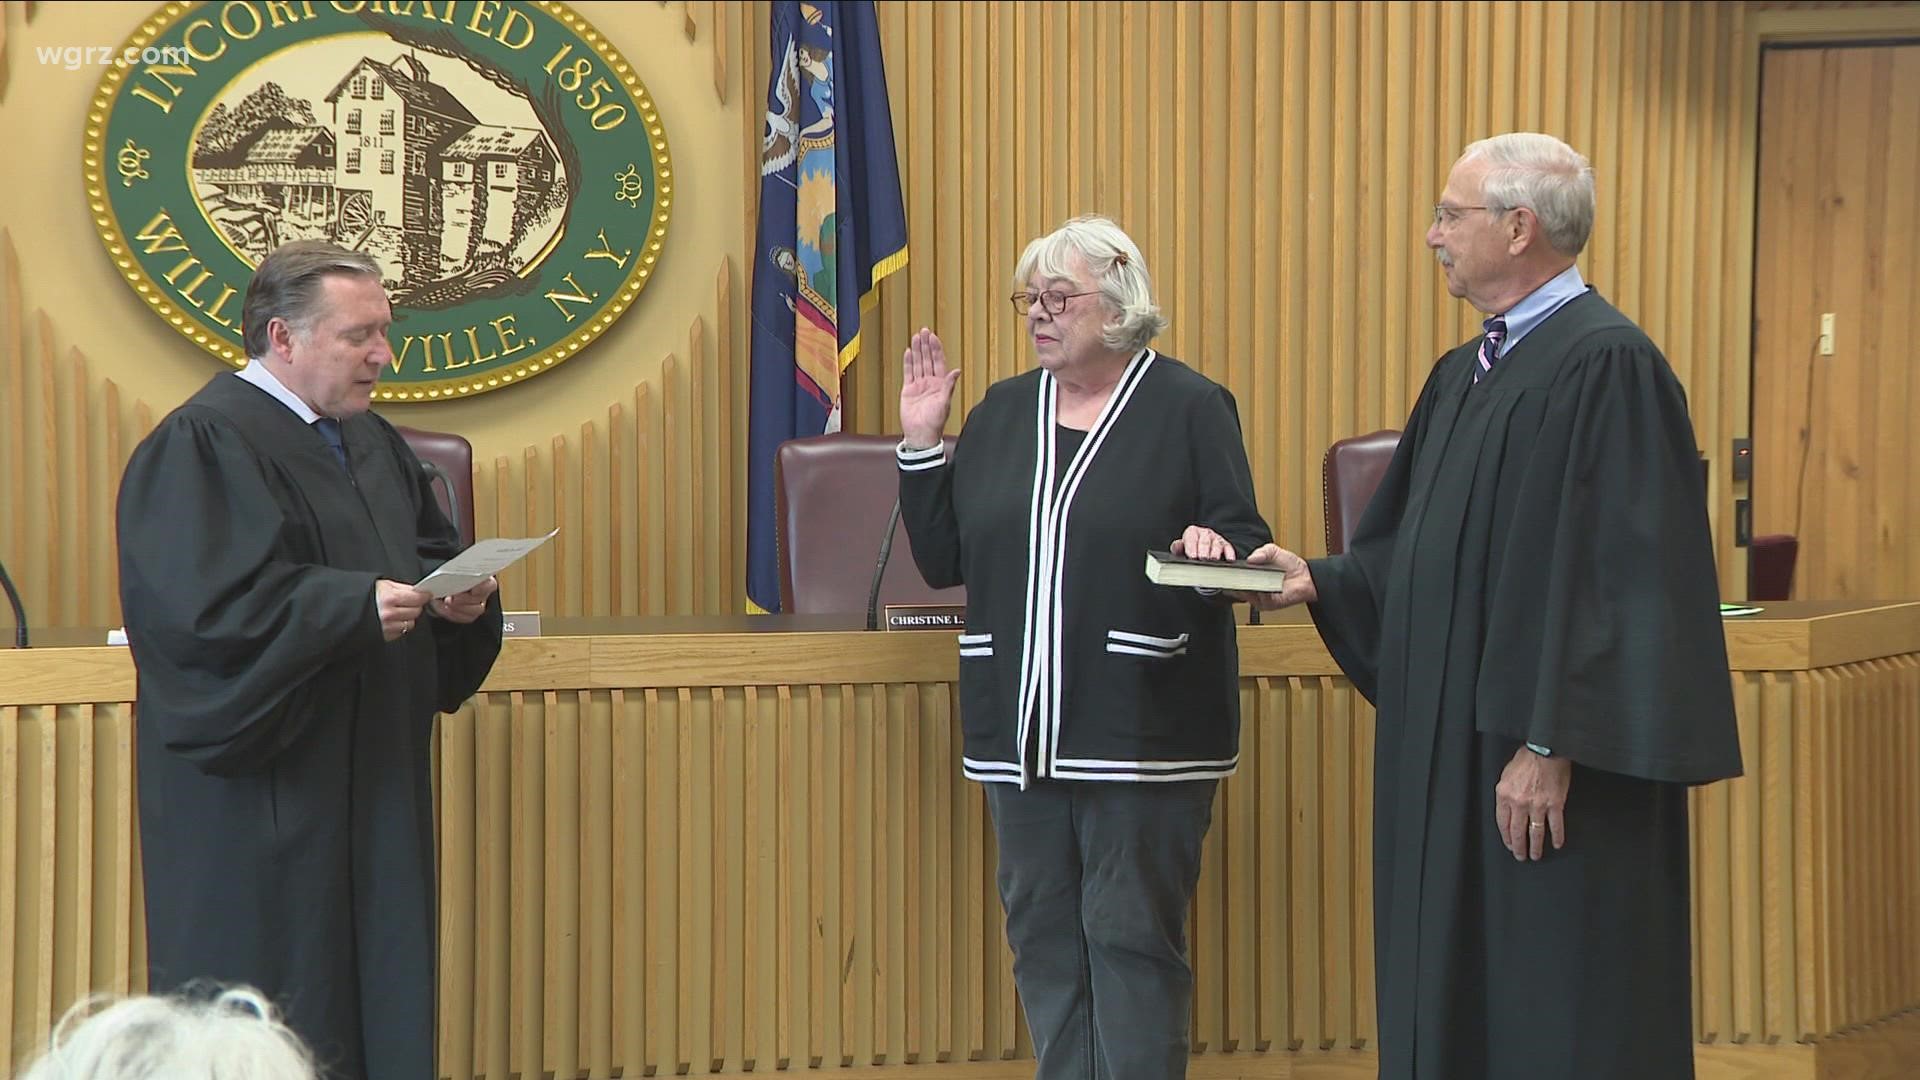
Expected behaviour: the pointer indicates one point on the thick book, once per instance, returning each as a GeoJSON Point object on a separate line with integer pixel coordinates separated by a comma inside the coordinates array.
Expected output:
{"type": "Point", "coordinates": [1166, 568]}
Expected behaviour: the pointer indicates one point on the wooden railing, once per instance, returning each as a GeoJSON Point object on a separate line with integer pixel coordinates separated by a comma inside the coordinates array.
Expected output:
{"type": "Point", "coordinates": [666, 851]}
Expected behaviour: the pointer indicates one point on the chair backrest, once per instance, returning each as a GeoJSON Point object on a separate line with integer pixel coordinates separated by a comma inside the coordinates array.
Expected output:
{"type": "Point", "coordinates": [1770, 560]}
{"type": "Point", "coordinates": [453, 454]}
{"type": "Point", "coordinates": [1349, 473]}
{"type": "Point", "coordinates": [832, 496]}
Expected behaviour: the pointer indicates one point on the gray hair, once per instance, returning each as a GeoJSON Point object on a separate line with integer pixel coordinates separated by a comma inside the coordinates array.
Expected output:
{"type": "Point", "coordinates": [287, 286]}
{"type": "Point", "coordinates": [1544, 175]}
{"type": "Point", "coordinates": [232, 1036]}
{"type": "Point", "coordinates": [1118, 271]}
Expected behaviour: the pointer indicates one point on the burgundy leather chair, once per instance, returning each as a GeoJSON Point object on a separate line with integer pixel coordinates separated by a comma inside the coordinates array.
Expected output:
{"type": "Point", "coordinates": [1349, 473]}
{"type": "Point", "coordinates": [1770, 560]}
{"type": "Point", "coordinates": [449, 458]}
{"type": "Point", "coordinates": [832, 497]}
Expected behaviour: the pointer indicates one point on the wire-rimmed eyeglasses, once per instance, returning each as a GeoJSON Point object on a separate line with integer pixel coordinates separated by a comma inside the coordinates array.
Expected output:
{"type": "Point", "coordinates": [1447, 215]}
{"type": "Point", "coordinates": [1053, 300]}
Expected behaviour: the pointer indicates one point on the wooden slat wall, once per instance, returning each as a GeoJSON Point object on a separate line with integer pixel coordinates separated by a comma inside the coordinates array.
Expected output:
{"type": "Point", "coordinates": [851, 864]}
{"type": "Point", "coordinates": [740, 877]}
{"type": "Point", "coordinates": [673, 879]}
{"type": "Point", "coordinates": [70, 897]}
{"type": "Point", "coordinates": [788, 877]}
{"type": "Point", "coordinates": [767, 877]}
{"type": "Point", "coordinates": [823, 776]}
{"type": "Point", "coordinates": [1276, 162]}
{"type": "Point", "coordinates": [643, 496]}
{"type": "Point", "coordinates": [64, 437]}
{"type": "Point", "coordinates": [1837, 231]}
{"type": "Point", "coordinates": [1807, 869]}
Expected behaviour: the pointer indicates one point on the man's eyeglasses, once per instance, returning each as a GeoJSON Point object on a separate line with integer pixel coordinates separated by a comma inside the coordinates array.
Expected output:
{"type": "Point", "coordinates": [1447, 215]}
{"type": "Point", "coordinates": [1052, 300]}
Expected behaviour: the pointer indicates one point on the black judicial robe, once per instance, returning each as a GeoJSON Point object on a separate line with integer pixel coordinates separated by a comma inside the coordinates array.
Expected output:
{"type": "Point", "coordinates": [1536, 566]}
{"type": "Point", "coordinates": [286, 818]}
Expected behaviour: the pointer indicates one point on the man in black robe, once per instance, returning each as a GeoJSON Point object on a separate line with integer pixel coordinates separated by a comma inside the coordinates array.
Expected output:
{"type": "Point", "coordinates": [1530, 602]}
{"type": "Point", "coordinates": [289, 674]}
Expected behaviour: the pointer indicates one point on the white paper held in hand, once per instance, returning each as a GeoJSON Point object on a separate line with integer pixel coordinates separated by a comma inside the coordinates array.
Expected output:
{"type": "Point", "coordinates": [478, 563]}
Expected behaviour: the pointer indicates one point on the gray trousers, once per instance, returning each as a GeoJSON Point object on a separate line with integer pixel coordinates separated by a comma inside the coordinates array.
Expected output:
{"type": "Point", "coordinates": [1097, 878]}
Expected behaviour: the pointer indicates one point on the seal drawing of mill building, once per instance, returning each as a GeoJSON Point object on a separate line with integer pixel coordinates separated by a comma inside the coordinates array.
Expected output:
{"type": "Point", "coordinates": [503, 164]}
{"type": "Point", "coordinates": [387, 160]}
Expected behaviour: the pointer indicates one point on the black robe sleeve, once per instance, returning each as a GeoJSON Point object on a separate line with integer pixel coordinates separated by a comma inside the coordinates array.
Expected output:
{"type": "Point", "coordinates": [1221, 476]}
{"type": "Point", "coordinates": [1352, 585]}
{"type": "Point", "coordinates": [228, 635]}
{"type": "Point", "coordinates": [1604, 640]}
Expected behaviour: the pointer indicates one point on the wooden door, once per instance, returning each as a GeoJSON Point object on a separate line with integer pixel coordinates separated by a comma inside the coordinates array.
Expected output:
{"type": "Point", "coordinates": [1838, 225]}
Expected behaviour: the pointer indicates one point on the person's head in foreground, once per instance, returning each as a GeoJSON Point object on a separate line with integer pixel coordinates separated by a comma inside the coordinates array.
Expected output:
{"type": "Point", "coordinates": [231, 1034]}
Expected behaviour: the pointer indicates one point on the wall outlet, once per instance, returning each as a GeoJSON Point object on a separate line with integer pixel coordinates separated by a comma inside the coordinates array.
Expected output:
{"type": "Point", "coordinates": [1826, 333]}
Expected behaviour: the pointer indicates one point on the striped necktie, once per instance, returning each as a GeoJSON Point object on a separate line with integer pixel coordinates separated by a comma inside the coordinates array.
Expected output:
{"type": "Point", "coordinates": [329, 429]}
{"type": "Point", "coordinates": [1496, 328]}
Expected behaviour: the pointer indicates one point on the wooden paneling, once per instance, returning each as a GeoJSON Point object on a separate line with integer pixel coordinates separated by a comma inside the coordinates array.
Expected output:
{"type": "Point", "coordinates": [649, 864]}
{"type": "Point", "coordinates": [1835, 462]}
{"type": "Point", "coordinates": [613, 654]}
{"type": "Point", "coordinates": [652, 864]}
{"type": "Point", "coordinates": [70, 898]}
{"type": "Point", "coordinates": [820, 828]}
{"type": "Point", "coordinates": [1823, 5]}
{"type": "Point", "coordinates": [64, 434]}
{"type": "Point", "coordinates": [1274, 160]}
{"type": "Point", "coordinates": [1807, 869]}
{"type": "Point", "coordinates": [1277, 162]}
{"type": "Point", "coordinates": [644, 499]}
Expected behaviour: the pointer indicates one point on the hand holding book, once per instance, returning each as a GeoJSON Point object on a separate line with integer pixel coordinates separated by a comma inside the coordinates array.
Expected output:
{"type": "Point", "coordinates": [1296, 582]}
{"type": "Point", "coordinates": [1270, 578]}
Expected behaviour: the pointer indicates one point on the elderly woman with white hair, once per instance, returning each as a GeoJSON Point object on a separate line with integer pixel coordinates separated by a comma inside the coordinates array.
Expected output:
{"type": "Point", "coordinates": [231, 1034]}
{"type": "Point", "coordinates": [1099, 710]}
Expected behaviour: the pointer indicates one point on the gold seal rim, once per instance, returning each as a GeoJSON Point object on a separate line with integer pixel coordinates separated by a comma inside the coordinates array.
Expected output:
{"type": "Point", "coordinates": [185, 320]}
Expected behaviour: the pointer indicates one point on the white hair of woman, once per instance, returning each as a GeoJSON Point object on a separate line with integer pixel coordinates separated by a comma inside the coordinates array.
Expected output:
{"type": "Point", "coordinates": [234, 1035]}
{"type": "Point", "coordinates": [1546, 176]}
{"type": "Point", "coordinates": [1115, 268]}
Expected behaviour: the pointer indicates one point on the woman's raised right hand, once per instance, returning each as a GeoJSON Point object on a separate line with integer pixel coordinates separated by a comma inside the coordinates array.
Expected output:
{"type": "Point", "coordinates": [926, 390]}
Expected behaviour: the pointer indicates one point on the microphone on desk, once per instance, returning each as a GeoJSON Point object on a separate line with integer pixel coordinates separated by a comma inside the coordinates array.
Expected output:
{"type": "Point", "coordinates": [19, 613]}
{"type": "Point", "coordinates": [880, 568]}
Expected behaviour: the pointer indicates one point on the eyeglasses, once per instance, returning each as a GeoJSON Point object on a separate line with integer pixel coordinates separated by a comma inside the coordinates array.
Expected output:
{"type": "Point", "coordinates": [1053, 300]}
{"type": "Point", "coordinates": [1447, 215]}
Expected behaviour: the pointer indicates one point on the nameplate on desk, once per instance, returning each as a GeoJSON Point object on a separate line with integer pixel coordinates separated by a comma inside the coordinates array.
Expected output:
{"type": "Point", "coordinates": [926, 617]}
{"type": "Point", "coordinates": [522, 624]}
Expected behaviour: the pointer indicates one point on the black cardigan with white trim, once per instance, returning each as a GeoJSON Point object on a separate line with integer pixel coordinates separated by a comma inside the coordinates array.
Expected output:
{"type": "Point", "coordinates": [1073, 665]}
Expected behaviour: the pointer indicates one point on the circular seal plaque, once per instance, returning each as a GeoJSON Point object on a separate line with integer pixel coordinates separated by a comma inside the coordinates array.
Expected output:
{"type": "Point", "coordinates": [501, 160]}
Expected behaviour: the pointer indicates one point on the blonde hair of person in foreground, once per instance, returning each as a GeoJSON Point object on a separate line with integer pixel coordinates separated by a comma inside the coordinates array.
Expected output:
{"type": "Point", "coordinates": [231, 1034]}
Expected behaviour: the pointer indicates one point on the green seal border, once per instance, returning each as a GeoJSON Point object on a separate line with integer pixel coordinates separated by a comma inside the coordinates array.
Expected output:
{"type": "Point", "coordinates": [106, 222]}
